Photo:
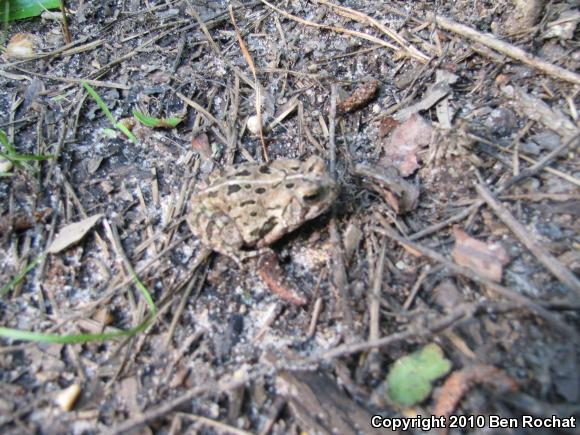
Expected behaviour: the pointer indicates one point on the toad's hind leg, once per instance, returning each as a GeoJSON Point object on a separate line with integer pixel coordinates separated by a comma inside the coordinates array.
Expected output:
{"type": "Point", "coordinates": [217, 231]}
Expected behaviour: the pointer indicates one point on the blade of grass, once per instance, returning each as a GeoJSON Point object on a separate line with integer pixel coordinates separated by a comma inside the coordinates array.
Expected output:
{"type": "Point", "coordinates": [6, 143]}
{"type": "Point", "coordinates": [17, 334]}
{"type": "Point", "coordinates": [25, 157]}
{"type": "Point", "coordinates": [20, 276]}
{"type": "Point", "coordinates": [99, 102]}
{"type": "Point", "coordinates": [150, 121]}
{"type": "Point", "coordinates": [119, 126]}
{"type": "Point", "coordinates": [126, 132]}
{"type": "Point", "coordinates": [144, 292]}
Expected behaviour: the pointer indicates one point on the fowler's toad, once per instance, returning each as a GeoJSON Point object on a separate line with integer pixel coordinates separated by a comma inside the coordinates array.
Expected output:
{"type": "Point", "coordinates": [250, 206]}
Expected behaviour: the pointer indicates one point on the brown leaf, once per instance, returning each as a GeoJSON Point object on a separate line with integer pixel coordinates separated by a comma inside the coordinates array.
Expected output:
{"type": "Point", "coordinates": [484, 258]}
{"type": "Point", "coordinates": [401, 147]}
{"type": "Point", "coordinates": [200, 144]}
{"type": "Point", "coordinates": [387, 125]}
{"type": "Point", "coordinates": [72, 234]}
{"type": "Point", "coordinates": [273, 276]}
{"type": "Point", "coordinates": [460, 382]}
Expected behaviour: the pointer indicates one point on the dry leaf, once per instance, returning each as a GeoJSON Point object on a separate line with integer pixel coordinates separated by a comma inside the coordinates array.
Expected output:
{"type": "Point", "coordinates": [400, 148]}
{"type": "Point", "coordinates": [486, 259]}
{"type": "Point", "coordinates": [460, 382]}
{"type": "Point", "coordinates": [72, 234]}
{"type": "Point", "coordinates": [200, 144]}
{"type": "Point", "coordinates": [387, 125]}
{"type": "Point", "coordinates": [273, 276]}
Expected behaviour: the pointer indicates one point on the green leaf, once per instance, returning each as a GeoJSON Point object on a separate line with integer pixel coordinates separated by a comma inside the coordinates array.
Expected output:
{"type": "Point", "coordinates": [409, 380]}
{"type": "Point", "coordinates": [150, 121]}
{"type": "Point", "coordinates": [11, 10]}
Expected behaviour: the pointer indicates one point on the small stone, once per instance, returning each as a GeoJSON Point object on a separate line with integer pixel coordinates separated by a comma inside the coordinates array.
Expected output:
{"type": "Point", "coordinates": [253, 124]}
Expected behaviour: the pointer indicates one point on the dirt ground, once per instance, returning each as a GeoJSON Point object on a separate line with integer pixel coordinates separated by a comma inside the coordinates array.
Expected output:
{"type": "Point", "coordinates": [452, 130]}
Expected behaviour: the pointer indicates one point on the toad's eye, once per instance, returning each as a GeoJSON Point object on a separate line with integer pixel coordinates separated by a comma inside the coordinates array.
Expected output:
{"type": "Point", "coordinates": [314, 197]}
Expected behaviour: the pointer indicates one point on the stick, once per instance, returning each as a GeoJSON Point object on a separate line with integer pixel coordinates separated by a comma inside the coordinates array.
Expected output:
{"type": "Point", "coordinates": [552, 264]}
{"type": "Point", "coordinates": [506, 48]}
{"type": "Point", "coordinates": [474, 276]}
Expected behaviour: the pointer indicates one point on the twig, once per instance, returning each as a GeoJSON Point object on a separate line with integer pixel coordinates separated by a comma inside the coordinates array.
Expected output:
{"type": "Point", "coordinates": [354, 33]}
{"type": "Point", "coordinates": [463, 311]}
{"type": "Point", "coordinates": [258, 87]}
{"type": "Point", "coordinates": [66, 33]}
{"type": "Point", "coordinates": [554, 153]}
{"type": "Point", "coordinates": [375, 294]}
{"type": "Point", "coordinates": [474, 276]}
{"type": "Point", "coordinates": [339, 272]}
{"type": "Point", "coordinates": [209, 387]}
{"type": "Point", "coordinates": [552, 264]}
{"type": "Point", "coordinates": [365, 19]}
{"type": "Point", "coordinates": [75, 80]}
{"type": "Point", "coordinates": [534, 169]}
{"type": "Point", "coordinates": [217, 426]}
{"type": "Point", "coordinates": [528, 172]}
{"type": "Point", "coordinates": [505, 48]}
{"type": "Point", "coordinates": [413, 293]}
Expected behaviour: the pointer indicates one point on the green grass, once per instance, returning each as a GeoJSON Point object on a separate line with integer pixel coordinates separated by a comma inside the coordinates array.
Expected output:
{"type": "Point", "coordinates": [40, 337]}
{"type": "Point", "coordinates": [118, 125]}
{"type": "Point", "coordinates": [20, 276]}
{"type": "Point", "coordinates": [10, 153]}
{"type": "Point", "coordinates": [150, 121]}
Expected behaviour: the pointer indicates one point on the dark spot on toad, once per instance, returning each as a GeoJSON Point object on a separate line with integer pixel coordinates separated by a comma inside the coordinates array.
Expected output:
{"type": "Point", "coordinates": [212, 194]}
{"type": "Point", "coordinates": [268, 226]}
{"type": "Point", "coordinates": [290, 185]}
{"type": "Point", "coordinates": [233, 189]}
{"type": "Point", "coordinates": [253, 214]}
{"type": "Point", "coordinates": [248, 186]}
{"type": "Point", "coordinates": [210, 229]}
{"type": "Point", "coordinates": [248, 202]}
{"type": "Point", "coordinates": [243, 173]}
{"type": "Point", "coordinates": [265, 169]}
{"type": "Point", "coordinates": [260, 190]}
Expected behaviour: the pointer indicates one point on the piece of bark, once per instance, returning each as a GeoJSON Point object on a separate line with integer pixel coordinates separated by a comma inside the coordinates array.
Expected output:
{"type": "Point", "coordinates": [487, 259]}
{"type": "Point", "coordinates": [359, 98]}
